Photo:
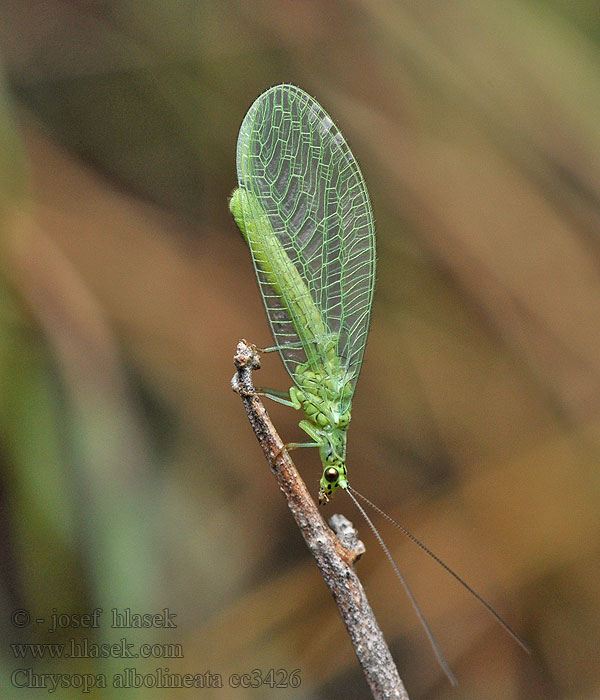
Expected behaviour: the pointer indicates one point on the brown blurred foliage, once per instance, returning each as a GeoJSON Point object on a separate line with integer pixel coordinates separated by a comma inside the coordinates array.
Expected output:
{"type": "Point", "coordinates": [129, 476]}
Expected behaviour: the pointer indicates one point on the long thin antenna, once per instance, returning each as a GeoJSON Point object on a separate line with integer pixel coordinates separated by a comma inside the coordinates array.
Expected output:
{"type": "Point", "coordinates": [445, 566]}
{"type": "Point", "coordinates": [428, 632]}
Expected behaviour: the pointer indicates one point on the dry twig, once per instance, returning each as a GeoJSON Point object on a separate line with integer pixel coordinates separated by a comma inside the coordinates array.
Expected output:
{"type": "Point", "coordinates": [335, 561]}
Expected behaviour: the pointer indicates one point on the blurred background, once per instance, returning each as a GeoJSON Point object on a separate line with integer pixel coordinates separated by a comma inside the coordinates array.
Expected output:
{"type": "Point", "coordinates": [130, 477]}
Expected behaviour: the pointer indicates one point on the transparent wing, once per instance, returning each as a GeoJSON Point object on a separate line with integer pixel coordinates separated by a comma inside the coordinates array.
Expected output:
{"type": "Point", "coordinates": [298, 167]}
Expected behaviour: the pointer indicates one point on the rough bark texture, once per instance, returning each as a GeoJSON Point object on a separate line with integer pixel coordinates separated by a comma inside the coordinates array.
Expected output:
{"type": "Point", "coordinates": [334, 560]}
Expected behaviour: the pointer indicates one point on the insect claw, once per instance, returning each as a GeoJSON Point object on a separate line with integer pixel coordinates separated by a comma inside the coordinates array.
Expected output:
{"type": "Point", "coordinates": [278, 451]}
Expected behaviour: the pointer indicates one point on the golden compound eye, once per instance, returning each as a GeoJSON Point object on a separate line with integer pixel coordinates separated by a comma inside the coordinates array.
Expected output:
{"type": "Point", "coordinates": [331, 474]}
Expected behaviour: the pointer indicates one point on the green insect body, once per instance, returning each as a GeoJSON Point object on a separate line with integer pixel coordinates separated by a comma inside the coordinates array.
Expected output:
{"type": "Point", "coordinates": [304, 211]}
{"type": "Point", "coordinates": [320, 388]}
{"type": "Point", "coordinates": [303, 208]}
{"type": "Point", "coordinates": [270, 256]}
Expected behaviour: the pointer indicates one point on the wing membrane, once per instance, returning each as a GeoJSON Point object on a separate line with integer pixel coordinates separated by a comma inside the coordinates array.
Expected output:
{"type": "Point", "coordinates": [296, 165]}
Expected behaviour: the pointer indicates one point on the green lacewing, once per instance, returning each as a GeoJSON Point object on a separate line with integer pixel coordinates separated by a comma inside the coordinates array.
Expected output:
{"type": "Point", "coordinates": [303, 208]}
